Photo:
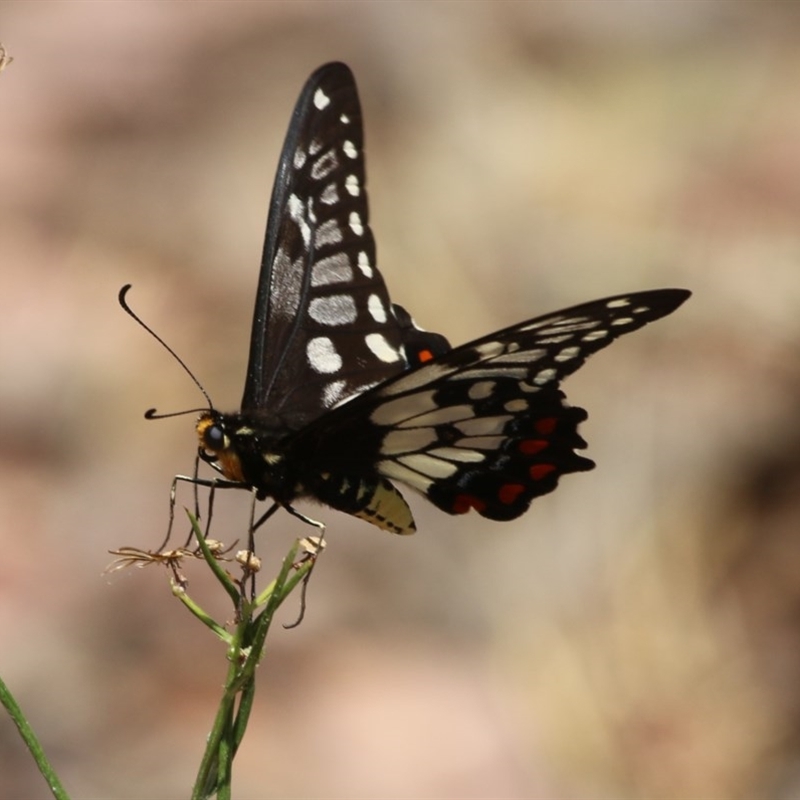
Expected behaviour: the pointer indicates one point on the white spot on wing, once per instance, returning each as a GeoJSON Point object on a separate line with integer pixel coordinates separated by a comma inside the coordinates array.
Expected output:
{"type": "Point", "coordinates": [321, 100]}
{"type": "Point", "coordinates": [336, 309]}
{"type": "Point", "coordinates": [440, 416]}
{"type": "Point", "coordinates": [488, 372]}
{"type": "Point", "coordinates": [349, 149]}
{"type": "Point", "coordinates": [299, 158]}
{"type": "Point", "coordinates": [364, 265]}
{"type": "Point", "coordinates": [515, 406]}
{"type": "Point", "coordinates": [401, 408]}
{"type": "Point", "coordinates": [620, 302]}
{"type": "Point", "coordinates": [555, 326]}
{"type": "Point", "coordinates": [333, 393]}
{"type": "Point", "coordinates": [544, 376]}
{"type": "Point", "coordinates": [483, 426]}
{"type": "Point", "coordinates": [520, 357]}
{"type": "Point", "coordinates": [328, 233]}
{"type": "Point", "coordinates": [333, 269]}
{"type": "Point", "coordinates": [296, 210]}
{"type": "Point", "coordinates": [428, 465]}
{"type": "Point", "coordinates": [344, 119]}
{"type": "Point", "coordinates": [330, 194]}
{"type": "Point", "coordinates": [381, 348]}
{"type": "Point", "coordinates": [351, 395]}
{"type": "Point", "coordinates": [352, 186]}
{"type": "Point", "coordinates": [406, 441]}
{"type": "Point", "coordinates": [594, 336]}
{"type": "Point", "coordinates": [391, 469]}
{"type": "Point", "coordinates": [456, 454]}
{"type": "Point", "coordinates": [488, 349]}
{"type": "Point", "coordinates": [287, 282]}
{"type": "Point", "coordinates": [622, 321]}
{"type": "Point", "coordinates": [355, 223]}
{"type": "Point", "coordinates": [324, 165]}
{"type": "Point", "coordinates": [481, 390]}
{"type": "Point", "coordinates": [376, 309]}
{"type": "Point", "coordinates": [567, 354]}
{"type": "Point", "coordinates": [419, 377]}
{"type": "Point", "coordinates": [322, 355]}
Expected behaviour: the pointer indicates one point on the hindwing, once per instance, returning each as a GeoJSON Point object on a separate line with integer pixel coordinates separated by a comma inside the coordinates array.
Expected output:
{"type": "Point", "coordinates": [485, 425]}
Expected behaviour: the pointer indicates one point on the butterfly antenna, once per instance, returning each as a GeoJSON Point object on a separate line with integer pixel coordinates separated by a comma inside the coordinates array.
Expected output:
{"type": "Point", "coordinates": [151, 412]}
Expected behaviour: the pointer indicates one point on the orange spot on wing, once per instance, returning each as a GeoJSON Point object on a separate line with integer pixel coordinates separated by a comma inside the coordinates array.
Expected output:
{"type": "Point", "coordinates": [545, 425]}
{"type": "Point", "coordinates": [539, 471]}
{"type": "Point", "coordinates": [424, 355]}
{"type": "Point", "coordinates": [532, 446]}
{"type": "Point", "coordinates": [509, 492]}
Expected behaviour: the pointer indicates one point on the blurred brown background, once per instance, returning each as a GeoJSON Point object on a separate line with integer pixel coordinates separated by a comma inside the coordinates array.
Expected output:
{"type": "Point", "coordinates": [637, 633]}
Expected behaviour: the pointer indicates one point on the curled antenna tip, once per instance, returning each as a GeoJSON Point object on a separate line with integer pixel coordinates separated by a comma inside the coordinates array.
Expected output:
{"type": "Point", "coordinates": [151, 413]}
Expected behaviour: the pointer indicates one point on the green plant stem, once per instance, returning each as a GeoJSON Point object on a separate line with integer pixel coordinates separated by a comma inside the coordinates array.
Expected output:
{"type": "Point", "coordinates": [198, 612]}
{"type": "Point", "coordinates": [220, 574]}
{"type": "Point", "coordinates": [33, 744]}
{"type": "Point", "coordinates": [246, 649]}
{"type": "Point", "coordinates": [214, 773]}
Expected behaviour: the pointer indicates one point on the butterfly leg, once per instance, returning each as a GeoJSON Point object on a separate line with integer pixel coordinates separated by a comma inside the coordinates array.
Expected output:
{"type": "Point", "coordinates": [254, 526]}
{"type": "Point", "coordinates": [213, 484]}
{"type": "Point", "coordinates": [313, 546]}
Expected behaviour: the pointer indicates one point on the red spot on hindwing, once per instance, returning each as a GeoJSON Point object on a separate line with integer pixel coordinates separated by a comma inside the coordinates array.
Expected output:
{"type": "Point", "coordinates": [509, 492]}
{"type": "Point", "coordinates": [539, 471]}
{"type": "Point", "coordinates": [530, 447]}
{"type": "Point", "coordinates": [545, 425]}
{"type": "Point", "coordinates": [464, 502]}
{"type": "Point", "coordinates": [424, 355]}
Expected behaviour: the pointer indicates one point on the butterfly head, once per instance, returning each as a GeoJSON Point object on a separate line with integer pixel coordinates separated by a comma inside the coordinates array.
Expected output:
{"type": "Point", "coordinates": [244, 453]}
{"type": "Point", "coordinates": [221, 443]}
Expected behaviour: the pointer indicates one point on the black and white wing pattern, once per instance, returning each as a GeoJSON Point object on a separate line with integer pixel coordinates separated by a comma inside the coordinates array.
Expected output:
{"type": "Point", "coordinates": [344, 394]}
{"type": "Point", "coordinates": [324, 328]}
{"type": "Point", "coordinates": [484, 426]}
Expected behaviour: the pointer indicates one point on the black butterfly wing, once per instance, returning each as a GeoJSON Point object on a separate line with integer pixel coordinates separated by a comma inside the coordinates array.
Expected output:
{"type": "Point", "coordinates": [324, 328]}
{"type": "Point", "coordinates": [483, 426]}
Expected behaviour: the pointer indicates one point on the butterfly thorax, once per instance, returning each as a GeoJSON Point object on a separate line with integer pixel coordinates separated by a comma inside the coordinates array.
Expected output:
{"type": "Point", "coordinates": [248, 451]}
{"type": "Point", "coordinates": [277, 463]}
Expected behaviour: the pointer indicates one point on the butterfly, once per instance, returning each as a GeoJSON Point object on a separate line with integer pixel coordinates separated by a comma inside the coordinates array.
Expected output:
{"type": "Point", "coordinates": [345, 396]}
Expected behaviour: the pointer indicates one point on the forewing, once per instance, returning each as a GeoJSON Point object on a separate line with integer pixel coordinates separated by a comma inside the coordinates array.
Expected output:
{"type": "Point", "coordinates": [324, 328]}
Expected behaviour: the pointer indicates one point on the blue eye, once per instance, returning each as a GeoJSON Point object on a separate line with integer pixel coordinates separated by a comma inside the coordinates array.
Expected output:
{"type": "Point", "coordinates": [214, 437]}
